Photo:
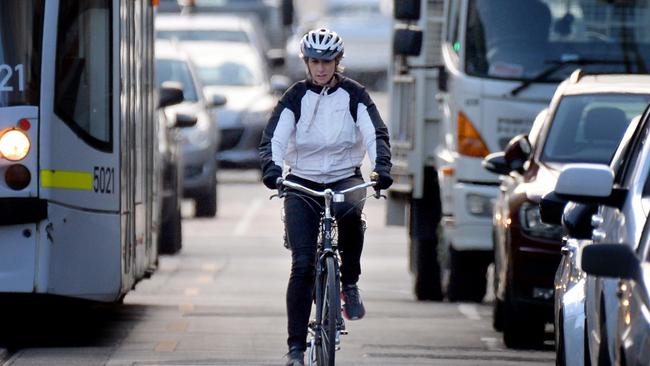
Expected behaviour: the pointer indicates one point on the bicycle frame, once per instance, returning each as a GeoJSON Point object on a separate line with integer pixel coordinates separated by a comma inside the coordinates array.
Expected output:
{"type": "Point", "coordinates": [325, 251]}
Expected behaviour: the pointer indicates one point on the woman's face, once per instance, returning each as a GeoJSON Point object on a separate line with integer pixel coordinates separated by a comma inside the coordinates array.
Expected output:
{"type": "Point", "coordinates": [321, 71]}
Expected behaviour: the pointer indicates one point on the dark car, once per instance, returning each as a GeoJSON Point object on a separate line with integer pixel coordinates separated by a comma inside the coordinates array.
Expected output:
{"type": "Point", "coordinates": [169, 164]}
{"type": "Point", "coordinates": [585, 122]}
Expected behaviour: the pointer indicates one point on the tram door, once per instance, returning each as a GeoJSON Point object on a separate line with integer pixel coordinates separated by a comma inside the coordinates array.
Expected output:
{"type": "Point", "coordinates": [87, 148]}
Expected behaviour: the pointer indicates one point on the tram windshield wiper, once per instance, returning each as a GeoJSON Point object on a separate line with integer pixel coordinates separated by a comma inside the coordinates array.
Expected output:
{"type": "Point", "coordinates": [557, 65]}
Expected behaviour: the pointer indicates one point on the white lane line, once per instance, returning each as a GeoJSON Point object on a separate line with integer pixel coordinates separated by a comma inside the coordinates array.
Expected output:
{"type": "Point", "coordinates": [492, 344]}
{"type": "Point", "coordinates": [247, 218]}
{"type": "Point", "coordinates": [470, 311]}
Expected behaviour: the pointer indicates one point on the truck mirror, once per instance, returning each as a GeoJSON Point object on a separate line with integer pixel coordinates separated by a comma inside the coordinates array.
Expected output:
{"type": "Point", "coordinates": [496, 163]}
{"type": "Point", "coordinates": [406, 9]}
{"type": "Point", "coordinates": [442, 78]}
{"type": "Point", "coordinates": [407, 41]}
{"type": "Point", "coordinates": [287, 12]}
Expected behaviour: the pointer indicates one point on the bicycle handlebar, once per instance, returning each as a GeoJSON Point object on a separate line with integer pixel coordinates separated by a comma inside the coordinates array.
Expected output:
{"type": "Point", "coordinates": [299, 187]}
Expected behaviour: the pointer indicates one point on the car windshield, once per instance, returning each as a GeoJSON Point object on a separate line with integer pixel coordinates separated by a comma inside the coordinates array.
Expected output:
{"type": "Point", "coordinates": [522, 39]}
{"type": "Point", "coordinates": [588, 128]}
{"type": "Point", "coordinates": [204, 35]}
{"type": "Point", "coordinates": [21, 31]}
{"type": "Point", "coordinates": [228, 74]}
{"type": "Point", "coordinates": [353, 9]}
{"type": "Point", "coordinates": [178, 71]}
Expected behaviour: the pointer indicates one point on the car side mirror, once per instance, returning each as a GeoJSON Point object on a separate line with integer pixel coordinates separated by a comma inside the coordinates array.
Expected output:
{"type": "Point", "coordinates": [496, 163]}
{"type": "Point", "coordinates": [551, 207]}
{"type": "Point", "coordinates": [185, 120]}
{"type": "Point", "coordinates": [216, 100]}
{"type": "Point", "coordinates": [407, 40]}
{"type": "Point", "coordinates": [571, 185]}
{"type": "Point", "coordinates": [279, 84]}
{"type": "Point", "coordinates": [170, 94]}
{"type": "Point", "coordinates": [517, 152]}
{"type": "Point", "coordinates": [610, 260]}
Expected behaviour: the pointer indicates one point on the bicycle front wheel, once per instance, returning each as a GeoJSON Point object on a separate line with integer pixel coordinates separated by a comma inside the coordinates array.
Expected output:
{"type": "Point", "coordinates": [330, 307]}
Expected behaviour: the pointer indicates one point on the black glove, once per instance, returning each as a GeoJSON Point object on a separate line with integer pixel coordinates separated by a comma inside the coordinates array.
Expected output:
{"type": "Point", "coordinates": [271, 175]}
{"type": "Point", "coordinates": [383, 179]}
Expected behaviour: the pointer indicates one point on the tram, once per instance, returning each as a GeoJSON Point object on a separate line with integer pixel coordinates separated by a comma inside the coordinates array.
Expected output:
{"type": "Point", "coordinates": [78, 175]}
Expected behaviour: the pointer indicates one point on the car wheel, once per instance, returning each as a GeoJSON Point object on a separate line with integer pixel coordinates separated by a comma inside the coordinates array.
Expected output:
{"type": "Point", "coordinates": [560, 359]}
{"type": "Point", "coordinates": [521, 329]}
{"type": "Point", "coordinates": [497, 315]}
{"type": "Point", "coordinates": [170, 240]}
{"type": "Point", "coordinates": [468, 275]}
{"type": "Point", "coordinates": [206, 204]}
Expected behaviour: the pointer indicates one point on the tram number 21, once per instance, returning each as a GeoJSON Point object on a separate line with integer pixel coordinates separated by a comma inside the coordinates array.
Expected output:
{"type": "Point", "coordinates": [7, 73]}
{"type": "Point", "coordinates": [104, 180]}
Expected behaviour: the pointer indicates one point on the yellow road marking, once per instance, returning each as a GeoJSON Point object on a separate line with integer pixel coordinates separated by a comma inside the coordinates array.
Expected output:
{"type": "Point", "coordinates": [66, 179]}
{"type": "Point", "coordinates": [205, 279]}
{"type": "Point", "coordinates": [179, 326]}
{"type": "Point", "coordinates": [186, 308]}
{"type": "Point", "coordinates": [192, 291]}
{"type": "Point", "coordinates": [166, 346]}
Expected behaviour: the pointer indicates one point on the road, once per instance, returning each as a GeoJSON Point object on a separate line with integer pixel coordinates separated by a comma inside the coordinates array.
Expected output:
{"type": "Point", "coordinates": [221, 302]}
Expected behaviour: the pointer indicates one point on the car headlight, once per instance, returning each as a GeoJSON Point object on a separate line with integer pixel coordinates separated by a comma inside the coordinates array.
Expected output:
{"type": "Point", "coordinates": [531, 223]}
{"type": "Point", "coordinates": [14, 145]}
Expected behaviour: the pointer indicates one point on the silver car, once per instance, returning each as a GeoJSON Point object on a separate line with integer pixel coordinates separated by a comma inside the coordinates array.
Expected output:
{"type": "Point", "coordinates": [200, 142]}
{"type": "Point", "coordinates": [237, 72]}
{"type": "Point", "coordinates": [622, 211]}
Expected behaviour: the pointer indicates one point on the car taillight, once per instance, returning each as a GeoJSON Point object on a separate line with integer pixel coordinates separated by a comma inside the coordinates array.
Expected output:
{"type": "Point", "coordinates": [17, 176]}
{"type": "Point", "coordinates": [14, 144]}
{"type": "Point", "coordinates": [470, 142]}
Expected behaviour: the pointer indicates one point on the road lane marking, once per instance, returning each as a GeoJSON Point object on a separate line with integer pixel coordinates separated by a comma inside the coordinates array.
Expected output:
{"type": "Point", "coordinates": [178, 326]}
{"type": "Point", "coordinates": [491, 343]}
{"type": "Point", "coordinates": [209, 267]}
{"type": "Point", "coordinates": [247, 218]}
{"type": "Point", "coordinates": [470, 311]}
{"type": "Point", "coordinates": [205, 279]}
{"type": "Point", "coordinates": [186, 308]}
{"type": "Point", "coordinates": [166, 346]}
{"type": "Point", "coordinates": [192, 291]}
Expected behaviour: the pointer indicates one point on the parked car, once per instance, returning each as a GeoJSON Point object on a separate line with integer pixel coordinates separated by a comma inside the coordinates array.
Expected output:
{"type": "Point", "coordinates": [204, 27]}
{"type": "Point", "coordinates": [170, 165]}
{"type": "Point", "coordinates": [200, 142]}
{"type": "Point", "coordinates": [628, 263]}
{"type": "Point", "coordinates": [585, 122]}
{"type": "Point", "coordinates": [237, 72]}
{"type": "Point", "coordinates": [366, 28]}
{"type": "Point", "coordinates": [620, 191]}
{"type": "Point", "coordinates": [270, 13]}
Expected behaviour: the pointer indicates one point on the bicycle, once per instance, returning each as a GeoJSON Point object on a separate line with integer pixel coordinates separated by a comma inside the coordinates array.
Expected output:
{"type": "Point", "coordinates": [327, 327]}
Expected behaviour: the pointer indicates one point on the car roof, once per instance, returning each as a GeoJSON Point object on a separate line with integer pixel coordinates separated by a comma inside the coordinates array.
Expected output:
{"type": "Point", "coordinates": [202, 52]}
{"type": "Point", "coordinates": [203, 21]}
{"type": "Point", "coordinates": [606, 83]}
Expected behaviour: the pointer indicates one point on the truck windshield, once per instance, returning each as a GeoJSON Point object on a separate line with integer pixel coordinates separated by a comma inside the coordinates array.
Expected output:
{"type": "Point", "coordinates": [21, 31]}
{"type": "Point", "coordinates": [588, 128]}
{"type": "Point", "coordinates": [526, 39]}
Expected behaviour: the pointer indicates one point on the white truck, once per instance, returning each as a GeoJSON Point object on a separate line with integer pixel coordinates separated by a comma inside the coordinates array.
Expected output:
{"type": "Point", "coordinates": [466, 76]}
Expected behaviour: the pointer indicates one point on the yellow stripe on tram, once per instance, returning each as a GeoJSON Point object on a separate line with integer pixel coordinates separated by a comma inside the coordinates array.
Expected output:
{"type": "Point", "coordinates": [66, 179]}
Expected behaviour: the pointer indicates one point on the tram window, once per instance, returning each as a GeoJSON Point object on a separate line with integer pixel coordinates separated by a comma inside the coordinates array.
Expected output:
{"type": "Point", "coordinates": [21, 30]}
{"type": "Point", "coordinates": [83, 70]}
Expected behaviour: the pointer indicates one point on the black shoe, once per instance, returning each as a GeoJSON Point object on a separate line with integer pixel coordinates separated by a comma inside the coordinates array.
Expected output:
{"type": "Point", "coordinates": [295, 357]}
{"type": "Point", "coordinates": [353, 308]}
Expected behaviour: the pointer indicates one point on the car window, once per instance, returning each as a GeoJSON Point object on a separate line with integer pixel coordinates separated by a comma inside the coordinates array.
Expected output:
{"type": "Point", "coordinates": [588, 128]}
{"type": "Point", "coordinates": [177, 70]}
{"type": "Point", "coordinates": [204, 35]}
{"type": "Point", "coordinates": [228, 74]}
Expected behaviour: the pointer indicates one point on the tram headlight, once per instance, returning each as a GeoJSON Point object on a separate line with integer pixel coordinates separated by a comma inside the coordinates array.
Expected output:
{"type": "Point", "coordinates": [14, 145]}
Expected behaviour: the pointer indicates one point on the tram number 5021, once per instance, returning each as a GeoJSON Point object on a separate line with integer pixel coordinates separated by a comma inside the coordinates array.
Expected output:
{"type": "Point", "coordinates": [104, 180]}
{"type": "Point", "coordinates": [7, 73]}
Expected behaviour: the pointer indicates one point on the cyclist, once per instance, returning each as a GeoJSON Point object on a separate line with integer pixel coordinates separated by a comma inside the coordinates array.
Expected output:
{"type": "Point", "coordinates": [321, 129]}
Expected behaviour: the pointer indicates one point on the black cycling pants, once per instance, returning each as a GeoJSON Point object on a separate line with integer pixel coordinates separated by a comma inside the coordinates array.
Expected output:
{"type": "Point", "coordinates": [302, 218]}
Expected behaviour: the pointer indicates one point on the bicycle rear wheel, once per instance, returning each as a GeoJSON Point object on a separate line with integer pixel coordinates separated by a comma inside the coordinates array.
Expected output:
{"type": "Point", "coordinates": [330, 307]}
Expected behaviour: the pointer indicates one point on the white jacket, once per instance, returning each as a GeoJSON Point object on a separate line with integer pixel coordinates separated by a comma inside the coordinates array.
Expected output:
{"type": "Point", "coordinates": [323, 134]}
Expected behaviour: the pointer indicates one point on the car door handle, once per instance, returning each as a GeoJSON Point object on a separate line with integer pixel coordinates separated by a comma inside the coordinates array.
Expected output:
{"type": "Point", "coordinates": [565, 250]}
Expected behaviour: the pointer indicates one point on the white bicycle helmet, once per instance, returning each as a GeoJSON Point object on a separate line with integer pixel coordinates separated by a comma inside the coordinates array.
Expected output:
{"type": "Point", "coordinates": [321, 44]}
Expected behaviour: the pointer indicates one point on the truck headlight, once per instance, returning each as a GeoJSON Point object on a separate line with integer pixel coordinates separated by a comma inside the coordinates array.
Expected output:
{"type": "Point", "coordinates": [531, 223]}
{"type": "Point", "coordinates": [479, 205]}
{"type": "Point", "coordinates": [14, 145]}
